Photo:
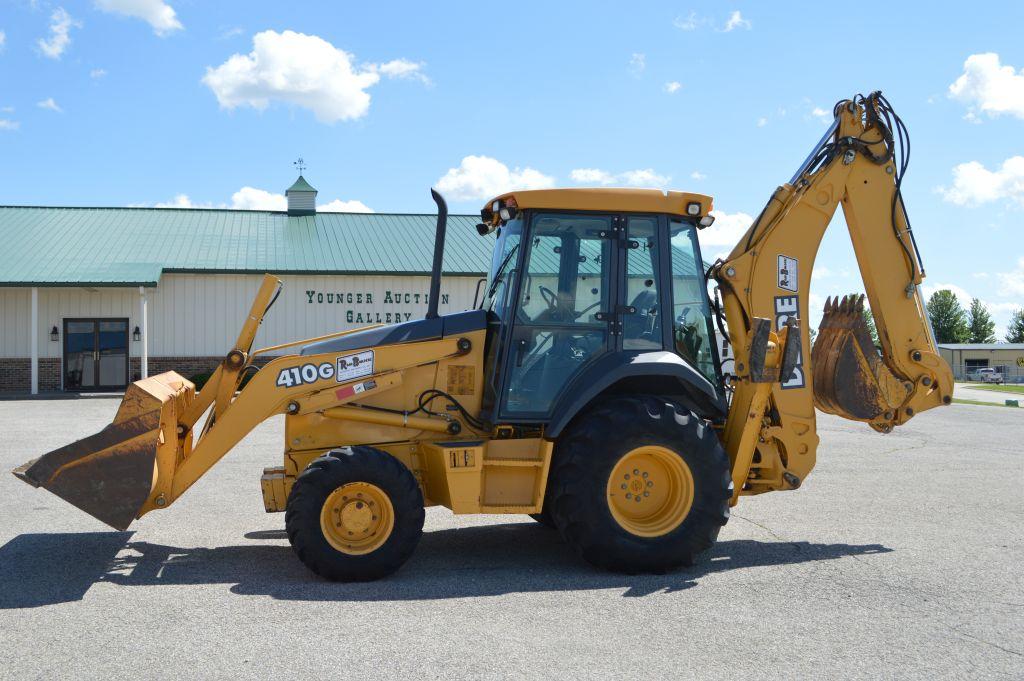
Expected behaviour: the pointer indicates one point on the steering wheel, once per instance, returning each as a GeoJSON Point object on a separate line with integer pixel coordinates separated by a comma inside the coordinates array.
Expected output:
{"type": "Point", "coordinates": [549, 297]}
{"type": "Point", "coordinates": [587, 309]}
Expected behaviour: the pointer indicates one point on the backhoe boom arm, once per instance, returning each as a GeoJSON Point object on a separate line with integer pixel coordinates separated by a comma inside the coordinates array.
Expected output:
{"type": "Point", "coordinates": [768, 275]}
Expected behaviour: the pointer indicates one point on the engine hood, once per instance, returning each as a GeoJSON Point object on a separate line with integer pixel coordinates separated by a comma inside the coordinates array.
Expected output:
{"type": "Point", "coordinates": [406, 332]}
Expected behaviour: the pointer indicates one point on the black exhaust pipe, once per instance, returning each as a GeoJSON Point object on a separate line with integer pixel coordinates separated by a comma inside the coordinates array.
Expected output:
{"type": "Point", "coordinates": [435, 272]}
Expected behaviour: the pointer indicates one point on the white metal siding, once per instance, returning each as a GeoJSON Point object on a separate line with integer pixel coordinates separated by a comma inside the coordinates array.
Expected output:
{"type": "Point", "coordinates": [303, 201]}
{"type": "Point", "coordinates": [200, 315]}
{"type": "Point", "coordinates": [15, 311]}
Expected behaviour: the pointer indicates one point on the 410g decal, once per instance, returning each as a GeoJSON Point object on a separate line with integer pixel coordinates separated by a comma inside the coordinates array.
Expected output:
{"type": "Point", "coordinates": [307, 373]}
{"type": "Point", "coordinates": [346, 368]}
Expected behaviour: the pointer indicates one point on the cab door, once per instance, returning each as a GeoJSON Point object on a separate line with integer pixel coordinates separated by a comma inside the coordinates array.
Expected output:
{"type": "Point", "coordinates": [565, 309]}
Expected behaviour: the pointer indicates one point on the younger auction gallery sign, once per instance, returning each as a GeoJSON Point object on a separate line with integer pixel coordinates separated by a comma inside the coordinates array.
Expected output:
{"type": "Point", "coordinates": [363, 307]}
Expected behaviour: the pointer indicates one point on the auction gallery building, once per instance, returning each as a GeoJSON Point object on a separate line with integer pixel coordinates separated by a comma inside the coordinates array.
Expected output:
{"type": "Point", "coordinates": [92, 299]}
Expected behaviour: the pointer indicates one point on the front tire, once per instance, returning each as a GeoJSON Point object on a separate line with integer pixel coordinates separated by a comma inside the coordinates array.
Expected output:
{"type": "Point", "coordinates": [640, 485]}
{"type": "Point", "coordinates": [355, 514]}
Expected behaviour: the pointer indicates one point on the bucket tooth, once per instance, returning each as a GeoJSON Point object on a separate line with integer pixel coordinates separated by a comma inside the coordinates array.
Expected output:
{"type": "Point", "coordinates": [111, 475]}
{"type": "Point", "coordinates": [850, 378]}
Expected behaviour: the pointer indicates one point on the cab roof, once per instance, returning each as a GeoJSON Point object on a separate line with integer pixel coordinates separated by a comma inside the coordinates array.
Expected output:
{"type": "Point", "coordinates": [619, 200]}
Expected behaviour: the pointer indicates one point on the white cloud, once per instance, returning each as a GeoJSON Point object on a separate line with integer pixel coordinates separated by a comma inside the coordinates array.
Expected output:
{"type": "Point", "coordinates": [7, 124]}
{"type": "Point", "coordinates": [672, 87]}
{"type": "Point", "coordinates": [762, 121]}
{"type": "Point", "coordinates": [993, 88]}
{"type": "Point", "coordinates": [49, 105]}
{"type": "Point", "coordinates": [697, 175]}
{"type": "Point", "coordinates": [97, 73]}
{"type": "Point", "coordinates": [1012, 283]}
{"type": "Point", "coordinates": [3, 40]}
{"type": "Point", "coordinates": [687, 23]}
{"type": "Point", "coordinates": [482, 177]}
{"type": "Point", "coordinates": [339, 206]}
{"type": "Point", "coordinates": [735, 21]}
{"type": "Point", "coordinates": [61, 24]}
{"type": "Point", "coordinates": [638, 62]}
{"type": "Point", "coordinates": [974, 184]}
{"type": "Point", "coordinates": [232, 32]}
{"type": "Point", "coordinates": [645, 177]}
{"type": "Point", "coordinates": [726, 230]}
{"type": "Point", "coordinates": [592, 176]}
{"type": "Point", "coordinates": [156, 13]}
{"type": "Point", "coordinates": [403, 68]}
{"type": "Point", "coordinates": [251, 198]}
{"type": "Point", "coordinates": [300, 69]}
{"type": "Point", "coordinates": [822, 115]}
{"type": "Point", "coordinates": [181, 201]}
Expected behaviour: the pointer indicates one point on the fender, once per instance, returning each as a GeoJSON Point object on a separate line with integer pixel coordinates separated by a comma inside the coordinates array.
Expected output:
{"type": "Point", "coordinates": [664, 373]}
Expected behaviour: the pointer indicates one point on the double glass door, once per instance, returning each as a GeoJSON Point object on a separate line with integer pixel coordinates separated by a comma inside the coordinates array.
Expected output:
{"type": "Point", "coordinates": [95, 354]}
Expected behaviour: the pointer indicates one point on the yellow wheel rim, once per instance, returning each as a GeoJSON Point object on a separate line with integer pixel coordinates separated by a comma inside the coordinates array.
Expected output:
{"type": "Point", "coordinates": [357, 518]}
{"type": "Point", "coordinates": [650, 491]}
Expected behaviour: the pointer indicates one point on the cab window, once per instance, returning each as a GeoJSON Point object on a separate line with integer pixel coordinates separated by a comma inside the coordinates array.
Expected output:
{"type": "Point", "coordinates": [691, 314]}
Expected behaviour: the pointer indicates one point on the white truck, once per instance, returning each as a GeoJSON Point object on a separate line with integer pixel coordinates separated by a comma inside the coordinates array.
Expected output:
{"type": "Point", "coordinates": [986, 375]}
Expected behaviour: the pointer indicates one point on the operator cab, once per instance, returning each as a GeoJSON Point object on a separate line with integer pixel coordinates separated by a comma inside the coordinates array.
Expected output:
{"type": "Point", "coordinates": [578, 275]}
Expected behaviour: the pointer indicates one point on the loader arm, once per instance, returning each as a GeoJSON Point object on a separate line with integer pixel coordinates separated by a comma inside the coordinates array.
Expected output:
{"type": "Point", "coordinates": [770, 434]}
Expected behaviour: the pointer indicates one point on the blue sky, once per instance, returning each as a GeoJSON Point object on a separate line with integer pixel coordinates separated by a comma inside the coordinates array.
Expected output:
{"type": "Point", "coordinates": [181, 102]}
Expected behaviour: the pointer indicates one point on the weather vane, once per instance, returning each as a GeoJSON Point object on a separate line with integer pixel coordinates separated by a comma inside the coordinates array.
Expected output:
{"type": "Point", "coordinates": [300, 164]}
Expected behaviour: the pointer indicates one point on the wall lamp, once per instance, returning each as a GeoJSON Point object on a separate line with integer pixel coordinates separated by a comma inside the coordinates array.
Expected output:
{"type": "Point", "coordinates": [136, 334]}
{"type": "Point", "coordinates": [54, 334]}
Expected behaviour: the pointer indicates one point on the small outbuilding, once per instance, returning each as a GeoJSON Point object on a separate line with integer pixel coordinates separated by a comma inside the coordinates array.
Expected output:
{"type": "Point", "coordinates": [967, 358]}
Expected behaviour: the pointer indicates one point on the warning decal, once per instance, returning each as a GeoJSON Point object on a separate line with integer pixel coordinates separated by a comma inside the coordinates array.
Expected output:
{"type": "Point", "coordinates": [787, 273]}
{"type": "Point", "coordinates": [354, 366]}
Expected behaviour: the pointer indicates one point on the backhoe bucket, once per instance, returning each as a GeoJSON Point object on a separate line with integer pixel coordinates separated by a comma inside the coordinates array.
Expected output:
{"type": "Point", "coordinates": [112, 474]}
{"type": "Point", "coordinates": [850, 378]}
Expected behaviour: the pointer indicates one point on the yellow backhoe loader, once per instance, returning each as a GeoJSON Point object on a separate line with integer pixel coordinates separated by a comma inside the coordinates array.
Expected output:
{"type": "Point", "coordinates": [586, 390]}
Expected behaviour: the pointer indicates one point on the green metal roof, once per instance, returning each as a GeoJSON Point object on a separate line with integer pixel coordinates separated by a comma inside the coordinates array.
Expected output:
{"type": "Point", "coordinates": [300, 186]}
{"type": "Point", "coordinates": [133, 246]}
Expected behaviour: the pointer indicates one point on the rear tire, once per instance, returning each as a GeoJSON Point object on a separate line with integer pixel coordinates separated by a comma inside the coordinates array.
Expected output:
{"type": "Point", "coordinates": [544, 517]}
{"type": "Point", "coordinates": [621, 448]}
{"type": "Point", "coordinates": [355, 514]}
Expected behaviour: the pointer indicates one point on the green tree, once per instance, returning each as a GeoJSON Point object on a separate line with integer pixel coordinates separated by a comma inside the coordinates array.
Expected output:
{"type": "Point", "coordinates": [869, 321]}
{"type": "Point", "coordinates": [1015, 331]}
{"type": "Point", "coordinates": [980, 324]}
{"type": "Point", "coordinates": [947, 317]}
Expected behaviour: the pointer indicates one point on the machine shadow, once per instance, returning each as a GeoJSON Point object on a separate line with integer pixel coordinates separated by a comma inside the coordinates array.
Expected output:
{"type": "Point", "coordinates": [457, 563]}
{"type": "Point", "coordinates": [43, 569]}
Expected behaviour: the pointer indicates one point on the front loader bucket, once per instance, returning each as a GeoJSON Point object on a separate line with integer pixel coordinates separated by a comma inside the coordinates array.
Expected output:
{"type": "Point", "coordinates": [112, 474]}
{"type": "Point", "coordinates": [850, 378]}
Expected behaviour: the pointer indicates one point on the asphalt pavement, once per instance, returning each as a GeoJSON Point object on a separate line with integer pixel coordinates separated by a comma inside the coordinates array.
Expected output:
{"type": "Point", "coordinates": [900, 557]}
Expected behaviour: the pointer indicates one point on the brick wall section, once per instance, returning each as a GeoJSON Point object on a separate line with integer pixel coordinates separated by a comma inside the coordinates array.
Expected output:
{"type": "Point", "coordinates": [49, 374]}
{"type": "Point", "coordinates": [190, 366]}
{"type": "Point", "coordinates": [16, 373]}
